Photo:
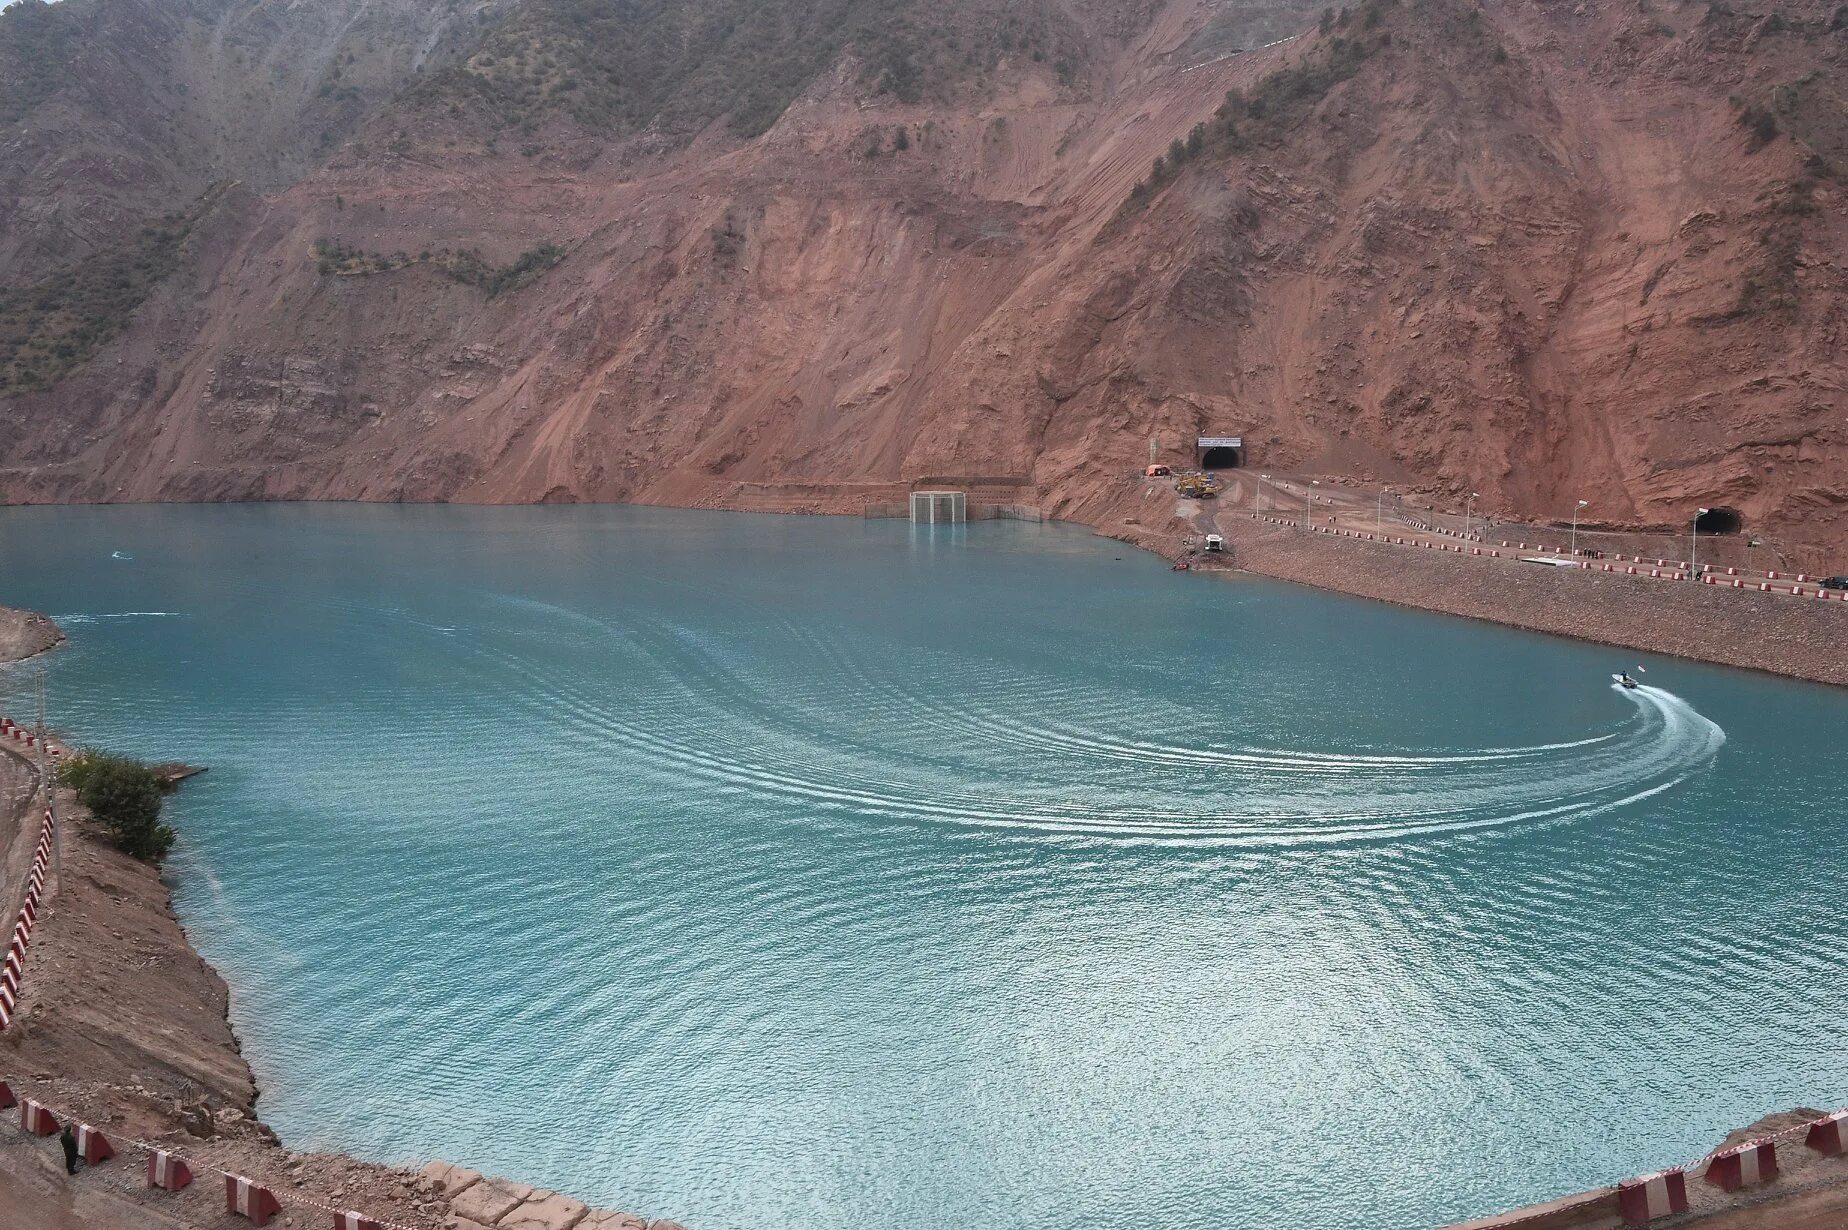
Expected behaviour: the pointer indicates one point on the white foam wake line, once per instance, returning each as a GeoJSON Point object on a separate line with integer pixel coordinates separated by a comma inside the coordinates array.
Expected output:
{"type": "Point", "coordinates": [773, 775]}
{"type": "Point", "coordinates": [93, 617]}
{"type": "Point", "coordinates": [802, 761]}
{"type": "Point", "coordinates": [1085, 742]}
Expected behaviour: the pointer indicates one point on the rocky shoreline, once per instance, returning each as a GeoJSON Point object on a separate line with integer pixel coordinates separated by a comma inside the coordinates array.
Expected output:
{"type": "Point", "coordinates": [26, 634]}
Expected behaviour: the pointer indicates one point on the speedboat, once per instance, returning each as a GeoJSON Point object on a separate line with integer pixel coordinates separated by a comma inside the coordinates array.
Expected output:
{"type": "Point", "coordinates": [1625, 680]}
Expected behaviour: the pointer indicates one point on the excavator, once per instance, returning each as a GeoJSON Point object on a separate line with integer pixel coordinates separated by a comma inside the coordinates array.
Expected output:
{"type": "Point", "coordinates": [1197, 486]}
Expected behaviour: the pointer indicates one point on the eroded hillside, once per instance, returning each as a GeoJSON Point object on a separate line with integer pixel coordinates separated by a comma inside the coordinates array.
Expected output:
{"type": "Point", "coordinates": [1535, 250]}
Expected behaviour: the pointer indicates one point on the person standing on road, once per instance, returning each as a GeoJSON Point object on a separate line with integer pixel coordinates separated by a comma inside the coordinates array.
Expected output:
{"type": "Point", "coordinates": [68, 1138]}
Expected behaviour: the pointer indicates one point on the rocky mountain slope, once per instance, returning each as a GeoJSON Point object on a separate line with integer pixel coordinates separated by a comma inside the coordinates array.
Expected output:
{"type": "Point", "coordinates": [116, 111]}
{"type": "Point", "coordinates": [809, 253]}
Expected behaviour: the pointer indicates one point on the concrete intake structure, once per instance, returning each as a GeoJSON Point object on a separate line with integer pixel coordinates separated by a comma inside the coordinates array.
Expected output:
{"type": "Point", "coordinates": [971, 512]}
{"type": "Point", "coordinates": [939, 507]}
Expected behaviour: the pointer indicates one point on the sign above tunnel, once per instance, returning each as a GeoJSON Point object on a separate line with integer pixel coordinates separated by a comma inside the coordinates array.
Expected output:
{"type": "Point", "coordinates": [1222, 442]}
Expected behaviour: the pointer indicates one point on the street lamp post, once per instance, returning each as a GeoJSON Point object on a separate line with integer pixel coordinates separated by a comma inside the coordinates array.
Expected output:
{"type": "Point", "coordinates": [1379, 512]}
{"type": "Point", "coordinates": [1469, 507]}
{"type": "Point", "coordinates": [1694, 541]}
{"type": "Point", "coordinates": [1308, 497]}
{"type": "Point", "coordinates": [1262, 479]}
{"type": "Point", "coordinates": [1575, 516]}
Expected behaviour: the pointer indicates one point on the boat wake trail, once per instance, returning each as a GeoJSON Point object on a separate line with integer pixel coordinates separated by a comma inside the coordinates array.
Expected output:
{"type": "Point", "coordinates": [97, 617]}
{"type": "Point", "coordinates": [848, 741]}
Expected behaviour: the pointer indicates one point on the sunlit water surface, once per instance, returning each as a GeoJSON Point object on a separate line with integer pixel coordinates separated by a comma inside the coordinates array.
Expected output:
{"type": "Point", "coordinates": [816, 874]}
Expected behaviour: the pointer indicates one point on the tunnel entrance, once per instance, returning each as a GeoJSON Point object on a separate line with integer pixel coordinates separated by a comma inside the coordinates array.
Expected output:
{"type": "Point", "coordinates": [1220, 452]}
{"type": "Point", "coordinates": [1719, 521]}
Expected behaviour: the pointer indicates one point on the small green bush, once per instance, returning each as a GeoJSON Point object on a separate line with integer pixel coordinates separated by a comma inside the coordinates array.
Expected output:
{"type": "Point", "coordinates": [125, 796]}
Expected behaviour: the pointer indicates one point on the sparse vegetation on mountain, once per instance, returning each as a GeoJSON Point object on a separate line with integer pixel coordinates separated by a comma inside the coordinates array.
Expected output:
{"type": "Point", "coordinates": [1276, 102]}
{"type": "Point", "coordinates": [1761, 124]}
{"type": "Point", "coordinates": [52, 326]}
{"type": "Point", "coordinates": [1772, 284]}
{"type": "Point", "coordinates": [37, 42]}
{"type": "Point", "coordinates": [467, 266]}
{"type": "Point", "coordinates": [728, 241]}
{"type": "Point", "coordinates": [677, 65]}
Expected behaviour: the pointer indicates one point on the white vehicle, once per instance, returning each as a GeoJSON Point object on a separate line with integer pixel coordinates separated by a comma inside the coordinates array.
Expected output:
{"type": "Point", "coordinates": [1215, 543]}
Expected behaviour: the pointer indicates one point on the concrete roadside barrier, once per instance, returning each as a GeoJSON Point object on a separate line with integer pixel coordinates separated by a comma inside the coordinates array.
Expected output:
{"type": "Point", "coordinates": [1742, 1166]}
{"type": "Point", "coordinates": [1827, 1135]}
{"type": "Point", "coordinates": [1647, 1197]}
{"type": "Point", "coordinates": [167, 1172]}
{"type": "Point", "coordinates": [36, 1119]}
{"type": "Point", "coordinates": [7, 1100]}
{"type": "Point", "coordinates": [253, 1203]}
{"type": "Point", "coordinates": [355, 1221]}
{"type": "Point", "coordinates": [92, 1145]}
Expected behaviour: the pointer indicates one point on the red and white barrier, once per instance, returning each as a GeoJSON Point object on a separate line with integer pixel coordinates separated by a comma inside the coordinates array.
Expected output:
{"type": "Point", "coordinates": [34, 1118]}
{"type": "Point", "coordinates": [1827, 1135]}
{"type": "Point", "coordinates": [167, 1172]}
{"type": "Point", "coordinates": [92, 1145]}
{"type": "Point", "coordinates": [355, 1221]}
{"type": "Point", "coordinates": [247, 1200]}
{"type": "Point", "coordinates": [1643, 1199]}
{"type": "Point", "coordinates": [1746, 1165]}
{"type": "Point", "coordinates": [7, 1100]}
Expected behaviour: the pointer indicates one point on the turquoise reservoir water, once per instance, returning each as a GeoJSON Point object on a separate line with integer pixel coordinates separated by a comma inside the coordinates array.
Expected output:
{"type": "Point", "coordinates": [805, 874]}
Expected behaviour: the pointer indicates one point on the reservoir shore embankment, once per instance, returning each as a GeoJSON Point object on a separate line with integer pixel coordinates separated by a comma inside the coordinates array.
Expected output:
{"type": "Point", "coordinates": [1800, 638]}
